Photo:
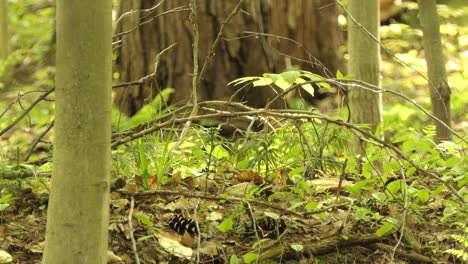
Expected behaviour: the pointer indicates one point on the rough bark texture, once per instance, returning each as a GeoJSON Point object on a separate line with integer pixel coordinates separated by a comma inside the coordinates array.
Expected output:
{"type": "Point", "coordinates": [3, 29]}
{"type": "Point", "coordinates": [438, 85]}
{"type": "Point", "coordinates": [364, 64]}
{"type": "Point", "coordinates": [311, 24]}
{"type": "Point", "coordinates": [77, 219]}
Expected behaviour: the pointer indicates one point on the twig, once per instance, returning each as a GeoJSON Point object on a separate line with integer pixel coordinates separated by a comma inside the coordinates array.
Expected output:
{"type": "Point", "coordinates": [177, 9]}
{"type": "Point", "coordinates": [6, 109]}
{"type": "Point", "coordinates": [194, 20]}
{"type": "Point", "coordinates": [138, 10]}
{"type": "Point", "coordinates": [213, 47]}
{"type": "Point", "coordinates": [197, 226]}
{"type": "Point", "coordinates": [343, 172]}
{"type": "Point", "coordinates": [132, 83]}
{"type": "Point", "coordinates": [143, 79]}
{"type": "Point", "coordinates": [254, 225]}
{"type": "Point", "coordinates": [25, 112]}
{"type": "Point", "coordinates": [48, 128]}
{"type": "Point", "coordinates": [405, 207]}
{"type": "Point", "coordinates": [130, 226]}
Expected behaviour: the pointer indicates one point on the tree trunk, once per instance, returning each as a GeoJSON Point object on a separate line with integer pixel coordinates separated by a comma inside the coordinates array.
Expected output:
{"type": "Point", "coordinates": [438, 85]}
{"type": "Point", "coordinates": [77, 220]}
{"type": "Point", "coordinates": [3, 29]}
{"type": "Point", "coordinates": [364, 64]}
{"type": "Point", "coordinates": [311, 26]}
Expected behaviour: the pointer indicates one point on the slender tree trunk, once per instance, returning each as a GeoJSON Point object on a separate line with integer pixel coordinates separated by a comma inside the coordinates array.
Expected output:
{"type": "Point", "coordinates": [364, 64]}
{"type": "Point", "coordinates": [77, 219]}
{"type": "Point", "coordinates": [438, 85]}
{"type": "Point", "coordinates": [3, 29]}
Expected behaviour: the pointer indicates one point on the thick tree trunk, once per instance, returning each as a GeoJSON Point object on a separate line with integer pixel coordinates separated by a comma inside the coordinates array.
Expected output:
{"type": "Point", "coordinates": [311, 26]}
{"type": "Point", "coordinates": [438, 85]}
{"type": "Point", "coordinates": [364, 64]}
{"type": "Point", "coordinates": [3, 29]}
{"type": "Point", "coordinates": [77, 220]}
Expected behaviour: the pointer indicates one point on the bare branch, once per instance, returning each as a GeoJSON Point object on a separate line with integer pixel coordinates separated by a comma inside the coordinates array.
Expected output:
{"type": "Point", "coordinates": [25, 113]}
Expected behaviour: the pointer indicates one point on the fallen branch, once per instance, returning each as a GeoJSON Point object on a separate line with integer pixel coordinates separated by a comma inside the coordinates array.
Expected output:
{"type": "Point", "coordinates": [415, 257]}
{"type": "Point", "coordinates": [319, 248]}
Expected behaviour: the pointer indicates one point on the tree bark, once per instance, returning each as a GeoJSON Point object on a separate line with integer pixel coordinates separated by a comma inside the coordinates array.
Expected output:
{"type": "Point", "coordinates": [311, 27]}
{"type": "Point", "coordinates": [364, 64]}
{"type": "Point", "coordinates": [438, 85]}
{"type": "Point", "coordinates": [3, 29]}
{"type": "Point", "coordinates": [77, 219]}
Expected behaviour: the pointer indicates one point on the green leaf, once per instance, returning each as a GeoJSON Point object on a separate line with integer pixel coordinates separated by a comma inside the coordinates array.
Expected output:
{"type": "Point", "coordinates": [6, 198]}
{"type": "Point", "coordinates": [250, 257]}
{"type": "Point", "coordinates": [357, 187]}
{"type": "Point", "coordinates": [410, 171]}
{"type": "Point", "coordinates": [282, 84]}
{"type": "Point", "coordinates": [273, 196]}
{"type": "Point", "coordinates": [423, 195]}
{"type": "Point", "coordinates": [388, 167]}
{"type": "Point", "coordinates": [294, 206]}
{"type": "Point", "coordinates": [316, 77]}
{"type": "Point", "coordinates": [219, 152]}
{"type": "Point", "coordinates": [387, 227]}
{"type": "Point", "coordinates": [150, 111]}
{"type": "Point", "coordinates": [380, 196]}
{"type": "Point", "coordinates": [307, 87]}
{"type": "Point", "coordinates": [143, 238]}
{"type": "Point", "coordinates": [324, 85]}
{"type": "Point", "coordinates": [234, 259]}
{"type": "Point", "coordinates": [395, 186]}
{"type": "Point", "coordinates": [361, 212]}
{"type": "Point", "coordinates": [142, 158]}
{"type": "Point", "coordinates": [290, 76]}
{"type": "Point", "coordinates": [339, 75]}
{"type": "Point", "coordinates": [226, 225]}
{"type": "Point", "coordinates": [272, 215]}
{"type": "Point", "coordinates": [243, 80]}
{"type": "Point", "coordinates": [311, 206]}
{"type": "Point", "coordinates": [439, 189]}
{"type": "Point", "coordinates": [273, 76]}
{"type": "Point", "coordinates": [3, 206]}
{"type": "Point", "coordinates": [297, 247]}
{"type": "Point", "coordinates": [260, 242]}
{"type": "Point", "coordinates": [144, 219]}
{"type": "Point", "coordinates": [311, 76]}
{"type": "Point", "coordinates": [448, 211]}
{"type": "Point", "coordinates": [262, 82]}
{"type": "Point", "coordinates": [296, 171]}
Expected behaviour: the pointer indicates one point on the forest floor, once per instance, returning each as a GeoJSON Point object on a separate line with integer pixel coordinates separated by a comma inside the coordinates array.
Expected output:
{"type": "Point", "coordinates": [233, 225]}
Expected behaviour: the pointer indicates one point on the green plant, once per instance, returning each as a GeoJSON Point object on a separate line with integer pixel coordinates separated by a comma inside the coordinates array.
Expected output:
{"type": "Point", "coordinates": [5, 201]}
{"type": "Point", "coordinates": [462, 239]}
{"type": "Point", "coordinates": [149, 112]}
{"type": "Point", "coordinates": [286, 80]}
